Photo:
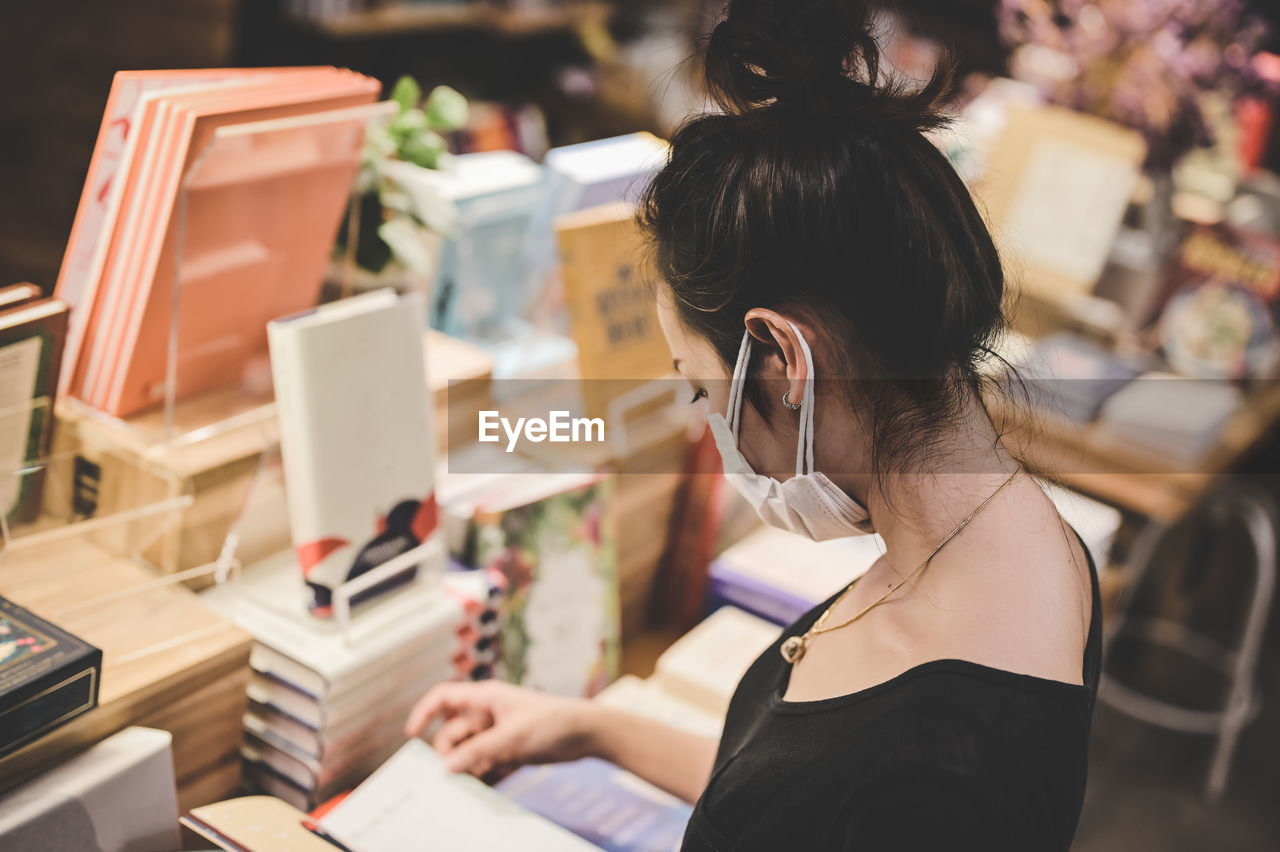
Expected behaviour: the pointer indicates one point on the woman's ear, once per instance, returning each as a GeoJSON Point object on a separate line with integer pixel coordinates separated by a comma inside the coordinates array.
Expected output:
{"type": "Point", "coordinates": [772, 328]}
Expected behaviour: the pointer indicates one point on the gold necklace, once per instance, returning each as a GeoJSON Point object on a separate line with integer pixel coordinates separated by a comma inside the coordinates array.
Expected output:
{"type": "Point", "coordinates": [793, 649]}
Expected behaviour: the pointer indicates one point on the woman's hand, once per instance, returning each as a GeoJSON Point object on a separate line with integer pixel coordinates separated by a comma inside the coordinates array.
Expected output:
{"type": "Point", "coordinates": [492, 727]}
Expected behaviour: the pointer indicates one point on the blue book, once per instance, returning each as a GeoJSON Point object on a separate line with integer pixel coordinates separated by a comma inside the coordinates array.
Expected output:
{"type": "Point", "coordinates": [601, 803]}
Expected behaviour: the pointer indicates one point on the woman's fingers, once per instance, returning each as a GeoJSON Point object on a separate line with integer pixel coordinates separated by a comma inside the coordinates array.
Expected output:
{"type": "Point", "coordinates": [444, 699]}
{"type": "Point", "coordinates": [458, 729]}
{"type": "Point", "coordinates": [485, 750]}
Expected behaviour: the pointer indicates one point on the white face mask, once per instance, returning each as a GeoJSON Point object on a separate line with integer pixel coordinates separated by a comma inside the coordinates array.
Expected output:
{"type": "Point", "coordinates": [807, 503]}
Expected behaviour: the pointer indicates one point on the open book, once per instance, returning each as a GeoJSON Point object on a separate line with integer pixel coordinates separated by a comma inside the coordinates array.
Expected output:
{"type": "Point", "coordinates": [413, 802]}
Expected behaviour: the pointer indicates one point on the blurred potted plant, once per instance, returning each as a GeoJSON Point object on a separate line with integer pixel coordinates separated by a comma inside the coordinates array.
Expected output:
{"type": "Point", "coordinates": [399, 218]}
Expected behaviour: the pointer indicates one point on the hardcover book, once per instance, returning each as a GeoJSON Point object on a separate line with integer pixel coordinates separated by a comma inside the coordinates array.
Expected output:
{"type": "Point", "coordinates": [356, 438]}
{"type": "Point", "coordinates": [130, 104]}
{"type": "Point", "coordinates": [47, 676]}
{"type": "Point", "coordinates": [31, 343]}
{"type": "Point", "coordinates": [704, 666]}
{"type": "Point", "coordinates": [560, 614]}
{"type": "Point", "coordinates": [611, 307]}
{"type": "Point", "coordinates": [116, 795]}
{"type": "Point", "coordinates": [1071, 377]}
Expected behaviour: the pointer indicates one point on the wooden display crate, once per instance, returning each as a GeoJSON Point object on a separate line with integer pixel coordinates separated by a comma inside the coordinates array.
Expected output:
{"type": "Point", "coordinates": [168, 662]}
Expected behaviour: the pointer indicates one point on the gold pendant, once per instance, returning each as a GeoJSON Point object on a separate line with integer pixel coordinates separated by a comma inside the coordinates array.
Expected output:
{"type": "Point", "coordinates": [793, 649]}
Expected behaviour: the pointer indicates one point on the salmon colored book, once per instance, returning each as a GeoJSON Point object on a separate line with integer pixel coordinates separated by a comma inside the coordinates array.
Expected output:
{"type": "Point", "coordinates": [132, 367]}
{"type": "Point", "coordinates": [153, 144]}
{"type": "Point", "coordinates": [155, 148]}
{"type": "Point", "coordinates": [260, 228]}
{"type": "Point", "coordinates": [109, 168]}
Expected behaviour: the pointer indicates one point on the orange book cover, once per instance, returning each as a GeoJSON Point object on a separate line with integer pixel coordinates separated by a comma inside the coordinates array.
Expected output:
{"type": "Point", "coordinates": [252, 250]}
{"type": "Point", "coordinates": [154, 152]}
{"type": "Point", "coordinates": [129, 356]}
{"type": "Point", "coordinates": [109, 168]}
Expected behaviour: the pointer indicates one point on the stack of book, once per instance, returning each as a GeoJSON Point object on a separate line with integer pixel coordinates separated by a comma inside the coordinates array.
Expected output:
{"type": "Point", "coordinates": [1172, 420]}
{"type": "Point", "coordinates": [1072, 377]}
{"type": "Point", "coordinates": [327, 704]}
{"type": "Point", "coordinates": [243, 226]}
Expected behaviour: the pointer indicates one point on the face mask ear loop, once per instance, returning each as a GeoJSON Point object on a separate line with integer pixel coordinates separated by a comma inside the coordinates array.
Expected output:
{"type": "Point", "coordinates": [804, 445]}
{"type": "Point", "coordinates": [736, 384]}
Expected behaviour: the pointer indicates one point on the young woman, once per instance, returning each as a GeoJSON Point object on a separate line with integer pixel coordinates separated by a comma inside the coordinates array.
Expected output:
{"type": "Point", "coordinates": [819, 254]}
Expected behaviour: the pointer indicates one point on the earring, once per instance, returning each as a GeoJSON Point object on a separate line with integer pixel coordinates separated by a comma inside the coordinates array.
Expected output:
{"type": "Point", "coordinates": [792, 405]}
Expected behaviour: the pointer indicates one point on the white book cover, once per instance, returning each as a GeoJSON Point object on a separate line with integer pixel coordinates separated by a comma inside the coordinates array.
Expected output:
{"type": "Point", "coordinates": [385, 633]}
{"type": "Point", "coordinates": [356, 435]}
{"type": "Point", "coordinates": [704, 665]}
{"type": "Point", "coordinates": [414, 802]}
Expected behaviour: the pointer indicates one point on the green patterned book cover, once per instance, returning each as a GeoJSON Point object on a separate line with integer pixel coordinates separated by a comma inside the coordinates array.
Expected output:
{"type": "Point", "coordinates": [560, 617]}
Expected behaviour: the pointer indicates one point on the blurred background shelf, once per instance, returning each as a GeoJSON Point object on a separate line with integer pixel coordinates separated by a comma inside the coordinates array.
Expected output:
{"type": "Point", "coordinates": [410, 18]}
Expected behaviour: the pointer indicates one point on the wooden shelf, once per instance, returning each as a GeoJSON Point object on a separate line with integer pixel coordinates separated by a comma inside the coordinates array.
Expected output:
{"type": "Point", "coordinates": [410, 18]}
{"type": "Point", "coordinates": [1089, 460]}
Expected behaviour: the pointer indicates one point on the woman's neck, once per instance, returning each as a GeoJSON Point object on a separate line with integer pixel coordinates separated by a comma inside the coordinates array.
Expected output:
{"type": "Point", "coordinates": [913, 511]}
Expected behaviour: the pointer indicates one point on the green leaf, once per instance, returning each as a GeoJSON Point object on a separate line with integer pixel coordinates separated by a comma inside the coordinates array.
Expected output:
{"type": "Point", "coordinates": [406, 125]}
{"type": "Point", "coordinates": [424, 149]}
{"type": "Point", "coordinates": [446, 108]}
{"type": "Point", "coordinates": [407, 93]}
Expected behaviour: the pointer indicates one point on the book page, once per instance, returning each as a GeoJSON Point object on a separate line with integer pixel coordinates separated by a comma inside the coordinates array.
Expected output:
{"type": "Point", "coordinates": [413, 802]}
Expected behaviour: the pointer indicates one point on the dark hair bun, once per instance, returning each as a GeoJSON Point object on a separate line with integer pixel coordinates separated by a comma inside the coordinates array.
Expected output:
{"type": "Point", "coordinates": [814, 56]}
